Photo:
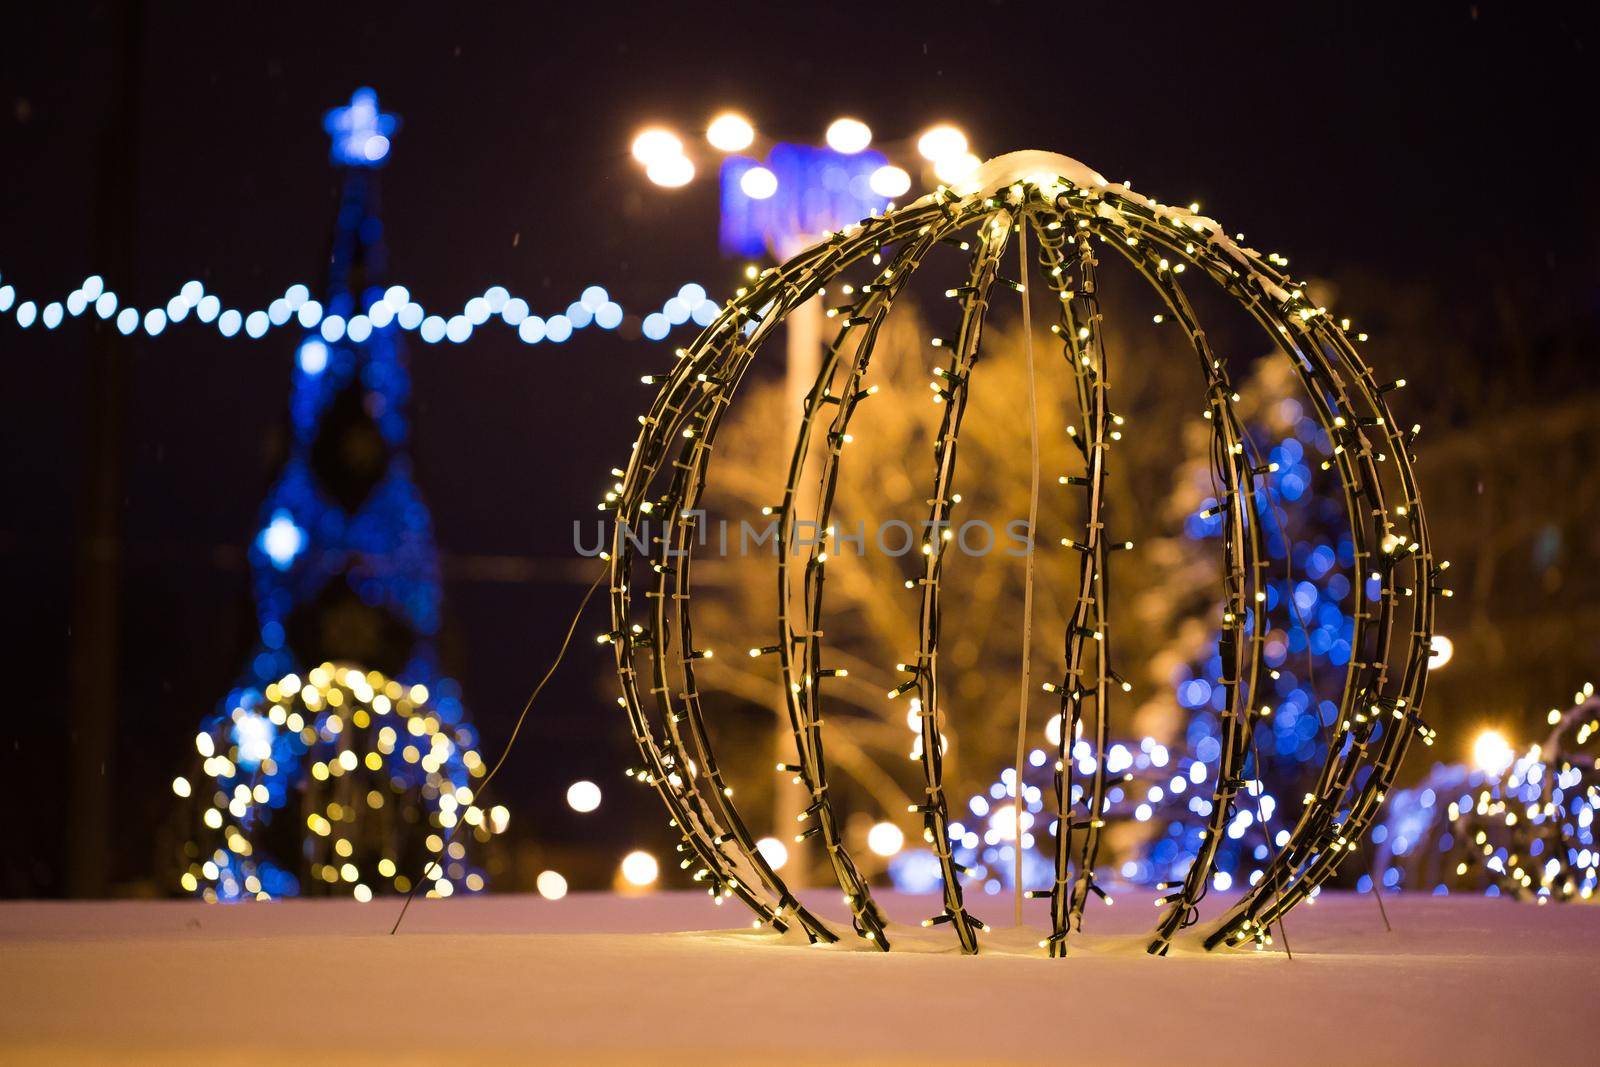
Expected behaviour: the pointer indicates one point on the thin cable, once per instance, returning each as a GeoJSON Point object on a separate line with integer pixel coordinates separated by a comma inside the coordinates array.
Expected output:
{"type": "Point", "coordinates": [1266, 831]}
{"type": "Point", "coordinates": [1027, 585]}
{"type": "Point", "coordinates": [1377, 890]}
{"type": "Point", "coordinates": [512, 740]}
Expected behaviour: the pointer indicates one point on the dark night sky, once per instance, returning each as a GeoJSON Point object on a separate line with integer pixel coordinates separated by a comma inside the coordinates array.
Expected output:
{"type": "Point", "coordinates": [1450, 142]}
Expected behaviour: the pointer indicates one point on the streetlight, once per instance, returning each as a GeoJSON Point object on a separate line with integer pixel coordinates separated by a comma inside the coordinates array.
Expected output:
{"type": "Point", "coordinates": [801, 191]}
{"type": "Point", "coordinates": [956, 168]}
{"type": "Point", "coordinates": [773, 851]}
{"type": "Point", "coordinates": [1440, 652]}
{"type": "Point", "coordinates": [758, 183]}
{"type": "Point", "coordinates": [848, 136]}
{"type": "Point", "coordinates": [639, 870]}
{"type": "Point", "coordinates": [885, 839]}
{"type": "Point", "coordinates": [583, 796]}
{"type": "Point", "coordinates": [1492, 753]}
{"type": "Point", "coordinates": [942, 142]}
{"type": "Point", "coordinates": [671, 171]}
{"type": "Point", "coordinates": [889, 181]}
{"type": "Point", "coordinates": [777, 200]}
{"type": "Point", "coordinates": [656, 144]}
{"type": "Point", "coordinates": [730, 132]}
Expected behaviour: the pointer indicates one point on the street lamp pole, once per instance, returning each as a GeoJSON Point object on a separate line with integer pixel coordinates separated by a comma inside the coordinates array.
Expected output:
{"type": "Point", "coordinates": [780, 205]}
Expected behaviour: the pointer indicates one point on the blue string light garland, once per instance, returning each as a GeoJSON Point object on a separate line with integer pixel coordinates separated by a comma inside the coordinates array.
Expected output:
{"type": "Point", "coordinates": [298, 310]}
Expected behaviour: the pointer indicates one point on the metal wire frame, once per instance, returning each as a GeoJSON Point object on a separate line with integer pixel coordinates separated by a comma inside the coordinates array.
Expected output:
{"type": "Point", "coordinates": [1379, 715]}
{"type": "Point", "coordinates": [1242, 645]}
{"type": "Point", "coordinates": [688, 408]}
{"type": "Point", "coordinates": [1087, 630]}
{"type": "Point", "coordinates": [802, 690]}
{"type": "Point", "coordinates": [1339, 810]}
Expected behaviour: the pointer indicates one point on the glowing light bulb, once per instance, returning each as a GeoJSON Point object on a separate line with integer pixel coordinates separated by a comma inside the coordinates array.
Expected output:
{"type": "Point", "coordinates": [1052, 730]}
{"type": "Point", "coordinates": [282, 540]}
{"type": "Point", "coordinates": [730, 132]}
{"type": "Point", "coordinates": [640, 869]}
{"type": "Point", "coordinates": [758, 183]}
{"type": "Point", "coordinates": [671, 172]}
{"type": "Point", "coordinates": [885, 839]}
{"type": "Point", "coordinates": [583, 796]}
{"type": "Point", "coordinates": [849, 136]}
{"type": "Point", "coordinates": [956, 168]}
{"type": "Point", "coordinates": [1440, 652]}
{"type": "Point", "coordinates": [942, 142]}
{"type": "Point", "coordinates": [1492, 752]}
{"type": "Point", "coordinates": [1004, 822]}
{"type": "Point", "coordinates": [773, 851]}
{"type": "Point", "coordinates": [889, 181]}
{"type": "Point", "coordinates": [313, 357]}
{"type": "Point", "coordinates": [654, 145]}
{"type": "Point", "coordinates": [550, 885]}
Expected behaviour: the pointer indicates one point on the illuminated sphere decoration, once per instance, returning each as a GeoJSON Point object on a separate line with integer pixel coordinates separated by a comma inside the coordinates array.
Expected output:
{"type": "Point", "coordinates": [346, 782]}
{"type": "Point", "coordinates": [1067, 219]}
{"type": "Point", "coordinates": [1521, 825]}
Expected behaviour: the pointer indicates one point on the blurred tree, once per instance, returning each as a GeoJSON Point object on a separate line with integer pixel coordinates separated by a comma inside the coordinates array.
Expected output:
{"type": "Point", "coordinates": [1311, 593]}
{"type": "Point", "coordinates": [1503, 386]}
{"type": "Point", "coordinates": [871, 620]}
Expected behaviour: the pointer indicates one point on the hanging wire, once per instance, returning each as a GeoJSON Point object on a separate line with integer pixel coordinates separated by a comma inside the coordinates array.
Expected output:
{"type": "Point", "coordinates": [505, 752]}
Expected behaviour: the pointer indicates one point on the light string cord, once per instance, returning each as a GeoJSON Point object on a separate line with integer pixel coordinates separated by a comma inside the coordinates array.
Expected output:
{"type": "Point", "coordinates": [1319, 838]}
{"type": "Point", "coordinates": [1027, 584]}
{"type": "Point", "coordinates": [695, 394]}
{"type": "Point", "coordinates": [1311, 683]}
{"type": "Point", "coordinates": [516, 730]}
{"type": "Point", "coordinates": [1281, 519]}
{"type": "Point", "coordinates": [1261, 788]}
{"type": "Point", "coordinates": [1241, 665]}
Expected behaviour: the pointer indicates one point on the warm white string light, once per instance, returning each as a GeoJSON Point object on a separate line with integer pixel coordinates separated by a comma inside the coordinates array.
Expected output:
{"type": "Point", "coordinates": [298, 309]}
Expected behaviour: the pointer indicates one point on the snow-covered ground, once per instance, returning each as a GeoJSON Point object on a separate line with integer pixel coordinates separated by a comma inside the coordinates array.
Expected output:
{"type": "Point", "coordinates": [668, 979]}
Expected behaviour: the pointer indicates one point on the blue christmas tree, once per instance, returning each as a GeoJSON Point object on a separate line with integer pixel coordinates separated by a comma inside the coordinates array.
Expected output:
{"type": "Point", "coordinates": [1311, 594]}
{"type": "Point", "coordinates": [345, 682]}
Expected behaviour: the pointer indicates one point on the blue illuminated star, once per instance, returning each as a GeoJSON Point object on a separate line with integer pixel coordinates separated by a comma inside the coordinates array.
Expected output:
{"type": "Point", "coordinates": [360, 131]}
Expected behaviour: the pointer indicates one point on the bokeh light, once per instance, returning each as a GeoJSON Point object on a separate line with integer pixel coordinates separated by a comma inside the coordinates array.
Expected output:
{"type": "Point", "coordinates": [849, 136]}
{"type": "Point", "coordinates": [670, 172]}
{"type": "Point", "coordinates": [583, 796]}
{"type": "Point", "coordinates": [654, 145]}
{"type": "Point", "coordinates": [956, 168]}
{"type": "Point", "coordinates": [758, 183]}
{"type": "Point", "coordinates": [885, 838]}
{"type": "Point", "coordinates": [1492, 752]}
{"type": "Point", "coordinates": [550, 885]}
{"type": "Point", "coordinates": [640, 869]}
{"type": "Point", "coordinates": [890, 181]}
{"type": "Point", "coordinates": [773, 851]}
{"type": "Point", "coordinates": [1440, 652]}
{"type": "Point", "coordinates": [942, 142]}
{"type": "Point", "coordinates": [730, 132]}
